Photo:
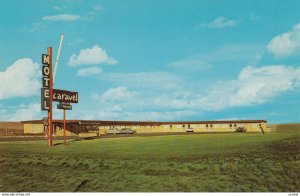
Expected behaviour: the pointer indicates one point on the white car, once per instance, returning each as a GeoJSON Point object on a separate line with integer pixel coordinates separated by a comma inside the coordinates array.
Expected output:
{"type": "Point", "coordinates": [127, 131]}
{"type": "Point", "coordinates": [113, 131]}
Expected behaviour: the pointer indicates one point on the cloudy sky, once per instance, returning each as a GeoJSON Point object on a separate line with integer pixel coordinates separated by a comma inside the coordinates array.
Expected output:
{"type": "Point", "coordinates": [154, 60]}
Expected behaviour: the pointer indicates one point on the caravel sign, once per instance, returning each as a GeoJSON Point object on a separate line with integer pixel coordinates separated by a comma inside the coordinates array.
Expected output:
{"type": "Point", "coordinates": [65, 96]}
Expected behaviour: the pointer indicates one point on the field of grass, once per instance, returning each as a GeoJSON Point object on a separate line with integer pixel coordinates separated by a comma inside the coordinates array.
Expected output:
{"type": "Point", "coordinates": [235, 162]}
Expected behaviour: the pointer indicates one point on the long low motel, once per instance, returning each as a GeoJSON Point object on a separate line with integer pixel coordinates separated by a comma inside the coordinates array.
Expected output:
{"type": "Point", "coordinates": [74, 127]}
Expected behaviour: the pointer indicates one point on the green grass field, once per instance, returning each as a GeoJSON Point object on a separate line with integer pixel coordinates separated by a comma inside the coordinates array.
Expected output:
{"type": "Point", "coordinates": [236, 162]}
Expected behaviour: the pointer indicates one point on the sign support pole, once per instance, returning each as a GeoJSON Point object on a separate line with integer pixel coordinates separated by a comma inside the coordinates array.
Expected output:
{"type": "Point", "coordinates": [64, 127]}
{"type": "Point", "coordinates": [51, 97]}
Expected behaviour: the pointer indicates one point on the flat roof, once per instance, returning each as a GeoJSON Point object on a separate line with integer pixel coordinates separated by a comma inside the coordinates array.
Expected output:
{"type": "Point", "coordinates": [109, 122]}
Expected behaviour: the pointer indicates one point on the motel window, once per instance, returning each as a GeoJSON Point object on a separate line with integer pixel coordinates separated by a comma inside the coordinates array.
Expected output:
{"type": "Point", "coordinates": [183, 126]}
{"type": "Point", "coordinates": [259, 125]}
{"type": "Point", "coordinates": [211, 126]}
{"type": "Point", "coordinates": [207, 126]}
{"type": "Point", "coordinates": [189, 125]}
{"type": "Point", "coordinates": [234, 125]}
{"type": "Point", "coordinates": [170, 126]}
{"type": "Point", "coordinates": [230, 125]}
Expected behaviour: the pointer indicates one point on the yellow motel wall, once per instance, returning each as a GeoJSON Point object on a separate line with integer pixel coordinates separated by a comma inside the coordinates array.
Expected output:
{"type": "Point", "coordinates": [60, 132]}
{"type": "Point", "coordinates": [205, 128]}
{"type": "Point", "coordinates": [225, 127]}
{"type": "Point", "coordinates": [33, 128]}
{"type": "Point", "coordinates": [39, 128]}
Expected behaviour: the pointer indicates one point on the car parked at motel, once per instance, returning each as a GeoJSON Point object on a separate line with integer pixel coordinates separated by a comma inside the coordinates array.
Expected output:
{"type": "Point", "coordinates": [121, 131]}
{"type": "Point", "coordinates": [241, 129]}
{"type": "Point", "coordinates": [127, 131]}
{"type": "Point", "coordinates": [189, 130]}
{"type": "Point", "coordinates": [113, 131]}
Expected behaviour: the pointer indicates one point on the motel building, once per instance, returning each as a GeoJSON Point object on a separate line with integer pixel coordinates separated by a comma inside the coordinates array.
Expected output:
{"type": "Point", "coordinates": [99, 127]}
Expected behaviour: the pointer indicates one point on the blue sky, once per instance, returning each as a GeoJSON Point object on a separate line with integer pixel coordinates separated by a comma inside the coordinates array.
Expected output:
{"type": "Point", "coordinates": [154, 60]}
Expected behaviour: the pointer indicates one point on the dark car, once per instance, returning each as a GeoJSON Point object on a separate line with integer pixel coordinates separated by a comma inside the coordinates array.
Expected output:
{"type": "Point", "coordinates": [241, 129]}
{"type": "Point", "coordinates": [189, 130]}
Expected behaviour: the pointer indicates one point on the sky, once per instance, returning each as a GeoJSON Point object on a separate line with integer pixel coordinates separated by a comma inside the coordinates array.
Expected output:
{"type": "Point", "coordinates": [155, 60]}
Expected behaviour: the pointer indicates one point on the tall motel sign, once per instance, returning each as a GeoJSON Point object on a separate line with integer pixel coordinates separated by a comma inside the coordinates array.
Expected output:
{"type": "Point", "coordinates": [48, 95]}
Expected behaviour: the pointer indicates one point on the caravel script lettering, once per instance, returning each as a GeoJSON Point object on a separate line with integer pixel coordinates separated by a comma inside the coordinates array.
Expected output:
{"type": "Point", "coordinates": [65, 96]}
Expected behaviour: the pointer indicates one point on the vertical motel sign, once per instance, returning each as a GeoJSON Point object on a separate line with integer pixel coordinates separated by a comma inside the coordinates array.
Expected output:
{"type": "Point", "coordinates": [45, 91]}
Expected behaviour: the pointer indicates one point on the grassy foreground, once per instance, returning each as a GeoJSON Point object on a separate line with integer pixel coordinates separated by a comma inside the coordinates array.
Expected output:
{"type": "Point", "coordinates": [197, 163]}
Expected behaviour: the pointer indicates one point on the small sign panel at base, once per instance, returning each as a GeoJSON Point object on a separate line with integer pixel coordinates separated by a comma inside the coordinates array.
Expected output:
{"type": "Point", "coordinates": [64, 106]}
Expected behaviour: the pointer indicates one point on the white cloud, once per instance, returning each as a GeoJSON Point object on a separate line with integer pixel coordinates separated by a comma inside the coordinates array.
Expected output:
{"type": "Point", "coordinates": [240, 54]}
{"type": "Point", "coordinates": [285, 44]}
{"type": "Point", "coordinates": [254, 16]}
{"type": "Point", "coordinates": [118, 113]}
{"type": "Point", "coordinates": [253, 86]}
{"type": "Point", "coordinates": [75, 42]}
{"type": "Point", "coordinates": [63, 17]}
{"type": "Point", "coordinates": [115, 94]}
{"type": "Point", "coordinates": [57, 8]}
{"type": "Point", "coordinates": [97, 8]}
{"type": "Point", "coordinates": [91, 56]}
{"type": "Point", "coordinates": [120, 103]}
{"type": "Point", "coordinates": [115, 113]}
{"type": "Point", "coordinates": [22, 112]}
{"type": "Point", "coordinates": [220, 22]}
{"type": "Point", "coordinates": [257, 85]}
{"type": "Point", "coordinates": [27, 112]}
{"type": "Point", "coordinates": [146, 80]}
{"type": "Point", "coordinates": [36, 27]}
{"type": "Point", "coordinates": [192, 64]}
{"type": "Point", "coordinates": [158, 115]}
{"type": "Point", "coordinates": [21, 79]}
{"type": "Point", "coordinates": [90, 71]}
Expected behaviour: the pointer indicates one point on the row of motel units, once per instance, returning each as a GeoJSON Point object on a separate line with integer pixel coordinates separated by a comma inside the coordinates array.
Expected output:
{"type": "Point", "coordinates": [74, 127]}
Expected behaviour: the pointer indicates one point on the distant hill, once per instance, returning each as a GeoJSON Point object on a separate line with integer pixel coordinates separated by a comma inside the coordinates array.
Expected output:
{"type": "Point", "coordinates": [11, 128]}
{"type": "Point", "coordinates": [285, 127]}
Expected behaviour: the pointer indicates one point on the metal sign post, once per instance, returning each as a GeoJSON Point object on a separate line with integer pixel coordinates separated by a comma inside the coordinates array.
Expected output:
{"type": "Point", "coordinates": [51, 97]}
{"type": "Point", "coordinates": [64, 106]}
{"type": "Point", "coordinates": [64, 127]}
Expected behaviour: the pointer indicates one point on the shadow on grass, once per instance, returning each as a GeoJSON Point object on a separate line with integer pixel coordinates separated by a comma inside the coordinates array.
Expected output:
{"type": "Point", "coordinates": [81, 185]}
{"type": "Point", "coordinates": [77, 140]}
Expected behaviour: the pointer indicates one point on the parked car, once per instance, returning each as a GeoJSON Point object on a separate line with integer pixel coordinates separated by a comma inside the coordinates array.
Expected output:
{"type": "Point", "coordinates": [189, 130]}
{"type": "Point", "coordinates": [113, 131]}
{"type": "Point", "coordinates": [127, 131]}
{"type": "Point", "coordinates": [241, 129]}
